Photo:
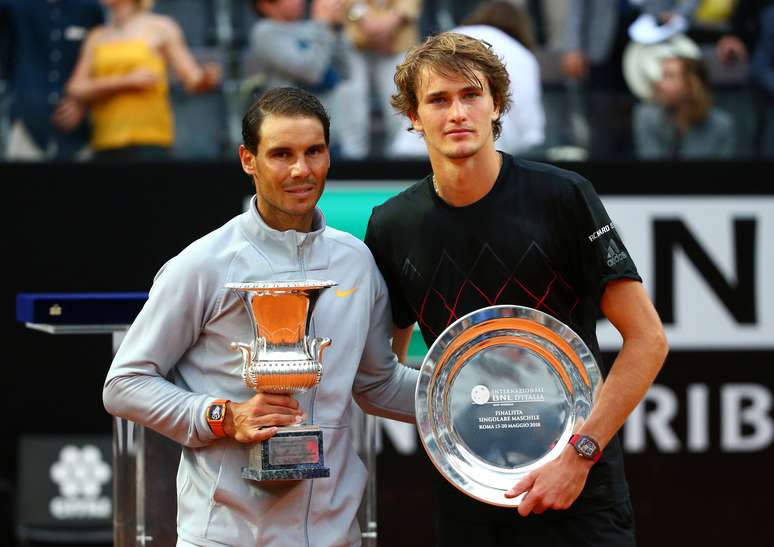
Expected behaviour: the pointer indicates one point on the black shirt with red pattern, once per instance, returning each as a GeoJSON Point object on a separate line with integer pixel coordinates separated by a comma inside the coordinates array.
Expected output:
{"type": "Point", "coordinates": [540, 238]}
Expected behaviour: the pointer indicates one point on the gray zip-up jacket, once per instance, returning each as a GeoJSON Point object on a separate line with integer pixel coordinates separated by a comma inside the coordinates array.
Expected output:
{"type": "Point", "coordinates": [186, 327]}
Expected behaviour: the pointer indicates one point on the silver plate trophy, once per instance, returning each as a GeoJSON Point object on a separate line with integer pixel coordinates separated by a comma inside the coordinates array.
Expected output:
{"type": "Point", "coordinates": [500, 392]}
{"type": "Point", "coordinates": [282, 359]}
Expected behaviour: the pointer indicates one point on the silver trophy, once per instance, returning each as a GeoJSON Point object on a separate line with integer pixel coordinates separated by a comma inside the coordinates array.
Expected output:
{"type": "Point", "coordinates": [282, 359]}
{"type": "Point", "coordinates": [500, 393]}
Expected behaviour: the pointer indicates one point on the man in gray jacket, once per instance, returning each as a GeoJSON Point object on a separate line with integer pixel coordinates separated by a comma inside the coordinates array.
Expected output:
{"type": "Point", "coordinates": [190, 319]}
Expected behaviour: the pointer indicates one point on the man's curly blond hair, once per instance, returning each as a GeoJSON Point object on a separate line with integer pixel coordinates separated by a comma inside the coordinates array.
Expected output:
{"type": "Point", "coordinates": [457, 56]}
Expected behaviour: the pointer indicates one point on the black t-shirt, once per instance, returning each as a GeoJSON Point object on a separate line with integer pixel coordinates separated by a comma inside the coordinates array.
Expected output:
{"type": "Point", "coordinates": [540, 238]}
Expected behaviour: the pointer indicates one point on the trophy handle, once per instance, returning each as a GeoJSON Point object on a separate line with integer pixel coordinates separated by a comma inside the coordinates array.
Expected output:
{"type": "Point", "coordinates": [317, 346]}
{"type": "Point", "coordinates": [247, 352]}
{"type": "Point", "coordinates": [247, 359]}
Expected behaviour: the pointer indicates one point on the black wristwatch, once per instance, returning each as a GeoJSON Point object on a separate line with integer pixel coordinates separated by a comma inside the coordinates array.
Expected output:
{"type": "Point", "coordinates": [586, 447]}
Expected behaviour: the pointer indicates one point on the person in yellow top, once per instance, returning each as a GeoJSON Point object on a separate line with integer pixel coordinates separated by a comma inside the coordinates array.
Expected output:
{"type": "Point", "coordinates": [381, 31]}
{"type": "Point", "coordinates": [122, 74]}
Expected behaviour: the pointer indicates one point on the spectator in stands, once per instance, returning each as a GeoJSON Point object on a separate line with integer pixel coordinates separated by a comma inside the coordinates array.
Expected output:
{"type": "Point", "coordinates": [596, 35]}
{"type": "Point", "coordinates": [741, 36]}
{"type": "Point", "coordinates": [381, 31]}
{"type": "Point", "coordinates": [308, 53]}
{"type": "Point", "coordinates": [681, 122]}
{"type": "Point", "coordinates": [507, 29]}
{"type": "Point", "coordinates": [595, 39]}
{"type": "Point", "coordinates": [547, 18]}
{"type": "Point", "coordinates": [44, 38]}
{"type": "Point", "coordinates": [763, 77]}
{"type": "Point", "coordinates": [121, 73]}
{"type": "Point", "coordinates": [740, 41]}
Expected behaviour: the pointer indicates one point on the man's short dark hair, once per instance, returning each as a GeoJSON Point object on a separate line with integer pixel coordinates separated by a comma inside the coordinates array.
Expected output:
{"type": "Point", "coordinates": [282, 101]}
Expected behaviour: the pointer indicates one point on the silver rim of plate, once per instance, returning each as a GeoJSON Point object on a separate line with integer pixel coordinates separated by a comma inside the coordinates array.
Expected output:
{"type": "Point", "coordinates": [509, 344]}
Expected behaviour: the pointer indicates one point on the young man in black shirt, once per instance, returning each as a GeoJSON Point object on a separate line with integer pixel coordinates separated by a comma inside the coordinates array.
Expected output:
{"type": "Point", "coordinates": [485, 229]}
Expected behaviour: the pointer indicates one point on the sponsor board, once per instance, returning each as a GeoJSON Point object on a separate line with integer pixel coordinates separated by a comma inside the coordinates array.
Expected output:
{"type": "Point", "coordinates": [707, 262]}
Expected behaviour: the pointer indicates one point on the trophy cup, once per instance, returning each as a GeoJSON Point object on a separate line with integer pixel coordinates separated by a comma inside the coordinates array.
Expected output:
{"type": "Point", "coordinates": [500, 393]}
{"type": "Point", "coordinates": [282, 359]}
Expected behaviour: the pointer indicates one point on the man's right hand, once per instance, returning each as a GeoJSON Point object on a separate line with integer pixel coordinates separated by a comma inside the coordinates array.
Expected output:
{"type": "Point", "coordinates": [256, 419]}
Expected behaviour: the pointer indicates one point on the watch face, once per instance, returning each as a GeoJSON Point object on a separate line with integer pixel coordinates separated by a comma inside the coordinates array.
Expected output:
{"type": "Point", "coordinates": [586, 447]}
{"type": "Point", "coordinates": [215, 412]}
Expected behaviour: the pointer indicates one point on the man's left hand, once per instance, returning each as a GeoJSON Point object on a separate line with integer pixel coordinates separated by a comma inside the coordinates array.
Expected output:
{"type": "Point", "coordinates": [556, 485]}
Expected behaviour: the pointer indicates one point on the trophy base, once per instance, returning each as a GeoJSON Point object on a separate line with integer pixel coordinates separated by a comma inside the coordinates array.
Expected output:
{"type": "Point", "coordinates": [284, 474]}
{"type": "Point", "coordinates": [293, 453]}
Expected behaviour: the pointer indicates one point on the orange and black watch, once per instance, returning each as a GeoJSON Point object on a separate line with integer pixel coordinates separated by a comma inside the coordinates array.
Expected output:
{"type": "Point", "coordinates": [216, 413]}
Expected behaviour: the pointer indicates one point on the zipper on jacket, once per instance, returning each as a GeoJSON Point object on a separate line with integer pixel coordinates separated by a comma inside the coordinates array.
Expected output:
{"type": "Point", "coordinates": [300, 251]}
{"type": "Point", "coordinates": [312, 333]}
{"type": "Point", "coordinates": [302, 268]}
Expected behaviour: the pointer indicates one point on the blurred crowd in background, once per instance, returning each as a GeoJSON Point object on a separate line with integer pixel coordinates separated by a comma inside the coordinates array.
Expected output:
{"type": "Point", "coordinates": [106, 80]}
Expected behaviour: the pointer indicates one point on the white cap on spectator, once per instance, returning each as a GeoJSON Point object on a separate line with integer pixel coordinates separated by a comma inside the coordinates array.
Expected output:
{"type": "Point", "coordinates": [642, 62]}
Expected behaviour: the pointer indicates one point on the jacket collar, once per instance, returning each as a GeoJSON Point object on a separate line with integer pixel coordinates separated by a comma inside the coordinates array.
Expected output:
{"type": "Point", "coordinates": [289, 250]}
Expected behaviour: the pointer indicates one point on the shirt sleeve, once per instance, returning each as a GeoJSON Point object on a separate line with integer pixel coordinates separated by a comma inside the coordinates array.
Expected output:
{"type": "Point", "coordinates": [383, 386]}
{"type": "Point", "coordinates": [137, 386]}
{"type": "Point", "coordinates": [575, 15]}
{"type": "Point", "coordinates": [601, 253]}
{"type": "Point", "coordinates": [402, 314]}
{"type": "Point", "coordinates": [648, 126]}
{"type": "Point", "coordinates": [726, 136]}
